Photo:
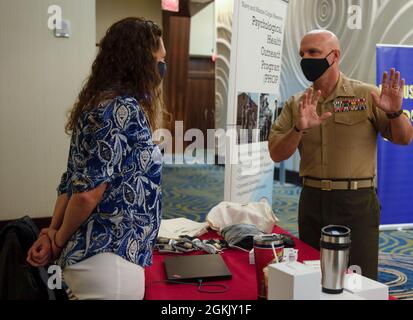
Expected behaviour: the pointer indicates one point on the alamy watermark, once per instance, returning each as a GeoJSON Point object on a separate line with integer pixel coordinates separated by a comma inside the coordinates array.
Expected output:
{"type": "Point", "coordinates": [354, 281]}
{"type": "Point", "coordinates": [56, 19]}
{"type": "Point", "coordinates": [354, 21]}
{"type": "Point", "coordinates": [231, 147]}
{"type": "Point", "coordinates": [355, 17]}
{"type": "Point", "coordinates": [55, 279]}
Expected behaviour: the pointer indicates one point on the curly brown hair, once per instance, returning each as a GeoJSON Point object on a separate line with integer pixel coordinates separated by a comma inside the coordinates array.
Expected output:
{"type": "Point", "coordinates": [124, 65]}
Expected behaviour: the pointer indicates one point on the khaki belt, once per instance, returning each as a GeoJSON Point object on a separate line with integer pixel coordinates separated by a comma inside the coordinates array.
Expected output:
{"type": "Point", "coordinates": [330, 185]}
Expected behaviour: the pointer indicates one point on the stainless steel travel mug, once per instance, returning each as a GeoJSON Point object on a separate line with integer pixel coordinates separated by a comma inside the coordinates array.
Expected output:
{"type": "Point", "coordinates": [335, 249]}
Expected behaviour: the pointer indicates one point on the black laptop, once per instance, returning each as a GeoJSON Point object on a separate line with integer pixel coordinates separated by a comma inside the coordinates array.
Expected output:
{"type": "Point", "coordinates": [205, 267]}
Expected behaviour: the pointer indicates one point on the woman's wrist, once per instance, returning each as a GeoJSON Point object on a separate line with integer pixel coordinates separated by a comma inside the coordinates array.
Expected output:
{"type": "Point", "coordinates": [57, 241]}
{"type": "Point", "coordinates": [44, 231]}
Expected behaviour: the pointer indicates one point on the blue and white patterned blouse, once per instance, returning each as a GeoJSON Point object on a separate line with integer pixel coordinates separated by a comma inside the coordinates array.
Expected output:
{"type": "Point", "coordinates": [113, 144]}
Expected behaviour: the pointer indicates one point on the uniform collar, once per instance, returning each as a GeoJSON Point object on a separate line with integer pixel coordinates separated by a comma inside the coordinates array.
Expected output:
{"type": "Point", "coordinates": [343, 89]}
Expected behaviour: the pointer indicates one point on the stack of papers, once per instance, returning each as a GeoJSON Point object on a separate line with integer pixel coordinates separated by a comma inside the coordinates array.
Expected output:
{"type": "Point", "coordinates": [173, 228]}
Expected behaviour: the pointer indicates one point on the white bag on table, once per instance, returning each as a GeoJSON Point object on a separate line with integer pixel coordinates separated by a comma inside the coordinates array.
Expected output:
{"type": "Point", "coordinates": [226, 214]}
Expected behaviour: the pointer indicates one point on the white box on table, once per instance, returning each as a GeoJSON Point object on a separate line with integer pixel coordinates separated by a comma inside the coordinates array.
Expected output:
{"type": "Point", "coordinates": [315, 264]}
{"type": "Point", "coordinates": [359, 285]}
{"type": "Point", "coordinates": [342, 296]}
{"type": "Point", "coordinates": [293, 281]}
{"type": "Point", "coordinates": [365, 287]}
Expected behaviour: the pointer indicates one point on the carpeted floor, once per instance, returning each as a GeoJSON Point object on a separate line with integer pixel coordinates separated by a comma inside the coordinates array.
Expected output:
{"type": "Point", "coordinates": [192, 190]}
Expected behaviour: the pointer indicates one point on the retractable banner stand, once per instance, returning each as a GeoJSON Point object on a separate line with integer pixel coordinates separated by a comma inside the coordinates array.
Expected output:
{"type": "Point", "coordinates": [253, 97]}
{"type": "Point", "coordinates": [395, 163]}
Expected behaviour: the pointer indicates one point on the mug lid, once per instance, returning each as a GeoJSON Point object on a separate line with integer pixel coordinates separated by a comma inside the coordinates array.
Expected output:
{"type": "Point", "coordinates": [336, 231]}
{"type": "Point", "coordinates": [264, 239]}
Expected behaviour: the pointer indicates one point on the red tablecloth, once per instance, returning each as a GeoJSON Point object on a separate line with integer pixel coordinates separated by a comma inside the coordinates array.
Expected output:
{"type": "Point", "coordinates": [242, 286]}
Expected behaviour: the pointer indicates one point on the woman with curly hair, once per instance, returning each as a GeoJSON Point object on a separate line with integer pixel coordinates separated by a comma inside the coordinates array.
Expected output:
{"type": "Point", "coordinates": [107, 214]}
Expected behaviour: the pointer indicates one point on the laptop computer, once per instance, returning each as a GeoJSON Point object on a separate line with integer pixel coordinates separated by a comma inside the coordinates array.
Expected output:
{"type": "Point", "coordinates": [193, 268]}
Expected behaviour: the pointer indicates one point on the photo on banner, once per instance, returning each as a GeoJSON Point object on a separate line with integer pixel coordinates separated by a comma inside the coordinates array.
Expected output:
{"type": "Point", "coordinates": [267, 115]}
{"type": "Point", "coordinates": [247, 117]}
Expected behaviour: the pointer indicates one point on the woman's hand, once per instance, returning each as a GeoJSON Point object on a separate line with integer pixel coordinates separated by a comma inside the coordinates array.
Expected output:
{"type": "Point", "coordinates": [40, 253]}
{"type": "Point", "coordinates": [45, 249]}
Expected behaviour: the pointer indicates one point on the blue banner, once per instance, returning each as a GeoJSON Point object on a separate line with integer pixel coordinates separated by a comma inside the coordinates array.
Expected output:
{"type": "Point", "coordinates": [395, 163]}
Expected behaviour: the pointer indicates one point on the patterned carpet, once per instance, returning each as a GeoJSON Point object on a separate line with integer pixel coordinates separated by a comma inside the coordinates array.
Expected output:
{"type": "Point", "coordinates": [192, 190]}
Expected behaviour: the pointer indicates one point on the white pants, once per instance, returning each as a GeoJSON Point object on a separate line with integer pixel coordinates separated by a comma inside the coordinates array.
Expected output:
{"type": "Point", "coordinates": [106, 276]}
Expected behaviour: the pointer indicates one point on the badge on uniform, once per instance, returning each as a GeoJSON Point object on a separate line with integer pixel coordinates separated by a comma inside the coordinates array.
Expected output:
{"type": "Point", "coordinates": [349, 105]}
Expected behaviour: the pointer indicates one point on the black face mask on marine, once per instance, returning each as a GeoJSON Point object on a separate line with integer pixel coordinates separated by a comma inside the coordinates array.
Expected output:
{"type": "Point", "coordinates": [313, 69]}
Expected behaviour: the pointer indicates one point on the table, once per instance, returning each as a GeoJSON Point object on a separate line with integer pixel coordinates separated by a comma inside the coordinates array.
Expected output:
{"type": "Point", "coordinates": [242, 286]}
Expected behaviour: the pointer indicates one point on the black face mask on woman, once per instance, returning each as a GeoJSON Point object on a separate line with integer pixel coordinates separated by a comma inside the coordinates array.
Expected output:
{"type": "Point", "coordinates": [162, 68]}
{"type": "Point", "coordinates": [313, 69]}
